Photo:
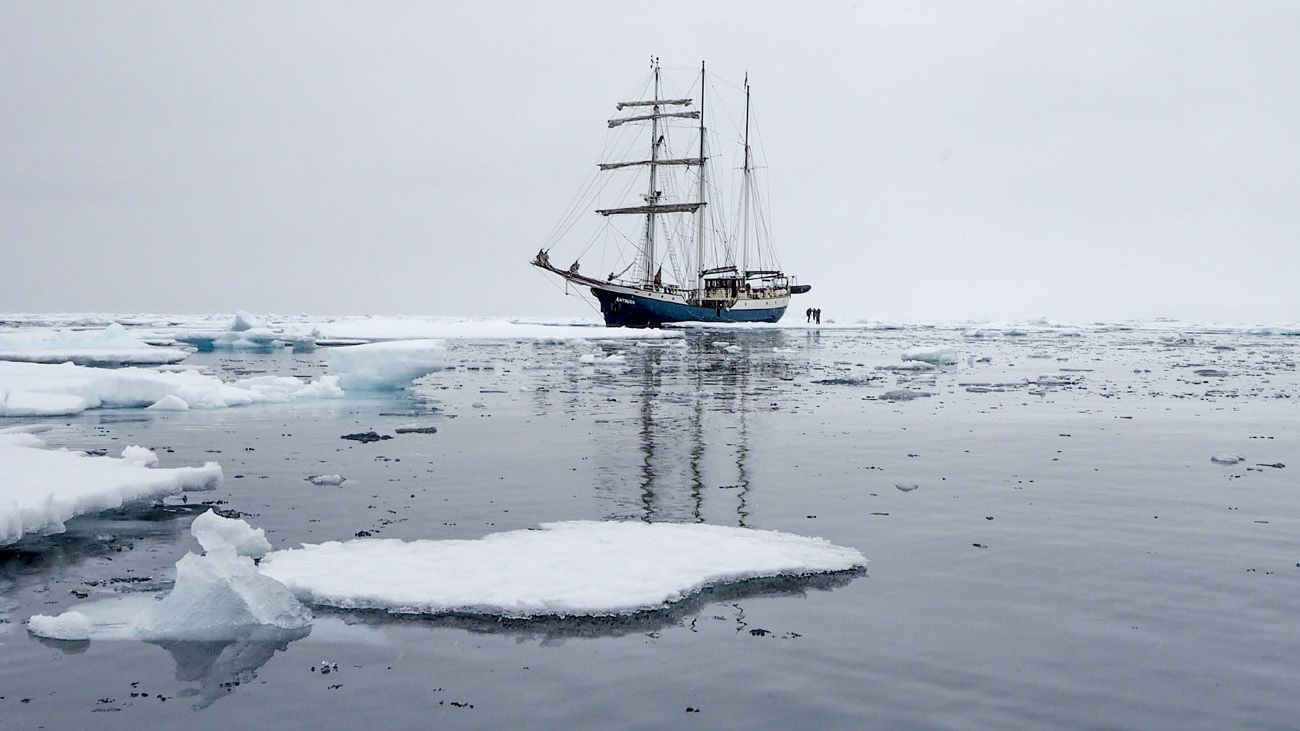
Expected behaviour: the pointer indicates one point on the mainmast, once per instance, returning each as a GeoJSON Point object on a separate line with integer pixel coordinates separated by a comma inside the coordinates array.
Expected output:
{"type": "Point", "coordinates": [699, 215]}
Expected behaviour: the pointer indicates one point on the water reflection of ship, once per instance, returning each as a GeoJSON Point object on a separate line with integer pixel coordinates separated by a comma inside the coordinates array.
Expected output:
{"type": "Point", "coordinates": [692, 432]}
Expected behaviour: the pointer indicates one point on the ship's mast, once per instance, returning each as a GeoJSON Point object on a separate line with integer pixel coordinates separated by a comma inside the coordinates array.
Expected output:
{"type": "Point", "coordinates": [699, 215]}
{"type": "Point", "coordinates": [744, 239]}
{"type": "Point", "coordinates": [652, 197]}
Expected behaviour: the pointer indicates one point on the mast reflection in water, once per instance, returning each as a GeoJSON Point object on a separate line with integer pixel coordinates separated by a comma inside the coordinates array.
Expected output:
{"type": "Point", "coordinates": [673, 436]}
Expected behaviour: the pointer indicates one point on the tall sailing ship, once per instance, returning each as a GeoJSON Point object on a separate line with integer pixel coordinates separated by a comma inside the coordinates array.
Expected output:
{"type": "Point", "coordinates": [716, 273]}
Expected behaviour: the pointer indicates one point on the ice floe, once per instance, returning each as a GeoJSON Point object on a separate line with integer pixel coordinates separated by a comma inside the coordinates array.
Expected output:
{"type": "Point", "coordinates": [250, 332]}
{"type": "Point", "coordinates": [935, 356]}
{"type": "Point", "coordinates": [72, 626]}
{"type": "Point", "coordinates": [221, 595]}
{"type": "Point", "coordinates": [386, 366]}
{"type": "Point", "coordinates": [42, 488]}
{"type": "Point", "coordinates": [113, 345]}
{"type": "Point", "coordinates": [38, 389]}
{"type": "Point", "coordinates": [578, 568]}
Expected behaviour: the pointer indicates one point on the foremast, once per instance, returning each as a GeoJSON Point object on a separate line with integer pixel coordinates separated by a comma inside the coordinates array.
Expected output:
{"type": "Point", "coordinates": [653, 197]}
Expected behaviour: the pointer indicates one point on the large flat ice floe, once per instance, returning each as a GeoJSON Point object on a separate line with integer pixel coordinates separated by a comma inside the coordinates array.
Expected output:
{"type": "Point", "coordinates": [113, 345]}
{"type": "Point", "coordinates": [579, 568]}
{"type": "Point", "coordinates": [37, 389]}
{"type": "Point", "coordinates": [42, 488]}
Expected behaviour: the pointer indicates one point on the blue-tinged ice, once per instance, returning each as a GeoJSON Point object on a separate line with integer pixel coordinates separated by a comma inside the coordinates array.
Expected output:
{"type": "Point", "coordinates": [221, 595]}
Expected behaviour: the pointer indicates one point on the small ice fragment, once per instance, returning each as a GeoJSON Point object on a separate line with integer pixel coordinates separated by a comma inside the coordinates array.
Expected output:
{"type": "Point", "coordinates": [416, 429]}
{"type": "Point", "coordinates": [140, 456]}
{"type": "Point", "coordinates": [170, 402]}
{"type": "Point", "coordinates": [218, 597]}
{"type": "Point", "coordinates": [215, 532]}
{"type": "Point", "coordinates": [66, 626]}
{"type": "Point", "coordinates": [903, 394]}
{"type": "Point", "coordinates": [1227, 458]}
{"type": "Point", "coordinates": [936, 356]}
{"type": "Point", "coordinates": [328, 479]}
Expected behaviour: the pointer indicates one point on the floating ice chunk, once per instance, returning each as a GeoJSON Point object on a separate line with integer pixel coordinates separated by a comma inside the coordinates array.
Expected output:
{"type": "Point", "coordinates": [580, 568]}
{"type": "Point", "coordinates": [597, 359]}
{"type": "Point", "coordinates": [329, 479]}
{"type": "Point", "coordinates": [28, 389]}
{"type": "Point", "coordinates": [914, 366]}
{"type": "Point", "coordinates": [66, 626]}
{"type": "Point", "coordinates": [903, 394]}
{"type": "Point", "coordinates": [1057, 379]}
{"type": "Point", "coordinates": [385, 366]}
{"type": "Point", "coordinates": [28, 403]}
{"type": "Point", "coordinates": [936, 356]}
{"type": "Point", "coordinates": [170, 402]}
{"type": "Point", "coordinates": [43, 488]}
{"type": "Point", "coordinates": [220, 596]}
{"type": "Point", "coordinates": [250, 332]}
{"type": "Point", "coordinates": [1227, 458]}
{"type": "Point", "coordinates": [215, 533]}
{"type": "Point", "coordinates": [113, 345]}
{"type": "Point", "coordinates": [245, 321]}
{"type": "Point", "coordinates": [141, 456]}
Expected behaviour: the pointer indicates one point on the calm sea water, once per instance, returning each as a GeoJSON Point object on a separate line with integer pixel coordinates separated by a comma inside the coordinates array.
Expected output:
{"type": "Point", "coordinates": [1069, 557]}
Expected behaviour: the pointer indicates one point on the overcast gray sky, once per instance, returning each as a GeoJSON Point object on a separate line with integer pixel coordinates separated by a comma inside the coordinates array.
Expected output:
{"type": "Point", "coordinates": [927, 160]}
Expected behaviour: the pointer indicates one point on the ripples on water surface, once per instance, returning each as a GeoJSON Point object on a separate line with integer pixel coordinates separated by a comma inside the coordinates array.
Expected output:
{"type": "Point", "coordinates": [1051, 545]}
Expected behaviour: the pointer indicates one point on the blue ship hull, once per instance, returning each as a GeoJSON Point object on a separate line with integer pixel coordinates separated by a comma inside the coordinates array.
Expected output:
{"type": "Point", "coordinates": [622, 309]}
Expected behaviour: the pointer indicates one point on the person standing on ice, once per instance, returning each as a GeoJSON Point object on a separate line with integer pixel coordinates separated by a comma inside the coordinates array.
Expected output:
{"type": "Point", "coordinates": [809, 314]}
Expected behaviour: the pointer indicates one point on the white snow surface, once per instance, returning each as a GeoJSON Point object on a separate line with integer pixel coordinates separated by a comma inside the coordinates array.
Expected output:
{"type": "Point", "coordinates": [66, 626]}
{"type": "Point", "coordinates": [386, 366]}
{"type": "Point", "coordinates": [38, 389]}
{"type": "Point", "coordinates": [215, 532]}
{"type": "Point", "coordinates": [112, 345]}
{"type": "Point", "coordinates": [221, 594]}
{"type": "Point", "coordinates": [42, 488]}
{"type": "Point", "coordinates": [444, 328]}
{"type": "Point", "coordinates": [577, 568]}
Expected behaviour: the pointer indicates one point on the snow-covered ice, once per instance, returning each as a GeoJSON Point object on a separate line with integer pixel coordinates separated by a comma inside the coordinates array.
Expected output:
{"type": "Point", "coordinates": [577, 568]}
{"type": "Point", "coordinates": [221, 595]}
{"type": "Point", "coordinates": [385, 366]}
{"type": "Point", "coordinates": [113, 345]}
{"type": "Point", "coordinates": [38, 389]}
{"type": "Point", "coordinates": [66, 626]}
{"type": "Point", "coordinates": [43, 488]}
{"type": "Point", "coordinates": [936, 356]}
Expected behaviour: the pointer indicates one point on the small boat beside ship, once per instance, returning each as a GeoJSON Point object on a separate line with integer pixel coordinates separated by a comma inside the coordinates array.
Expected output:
{"type": "Point", "coordinates": [716, 272]}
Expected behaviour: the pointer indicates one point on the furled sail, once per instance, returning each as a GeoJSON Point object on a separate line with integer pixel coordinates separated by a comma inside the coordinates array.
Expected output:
{"type": "Point", "coordinates": [666, 208]}
{"type": "Point", "coordinates": [680, 161]}
{"type": "Point", "coordinates": [694, 114]}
